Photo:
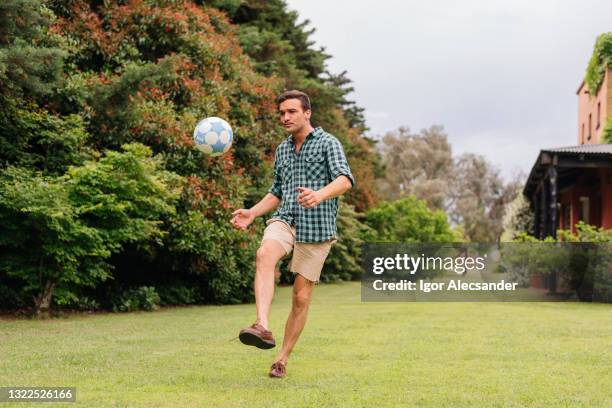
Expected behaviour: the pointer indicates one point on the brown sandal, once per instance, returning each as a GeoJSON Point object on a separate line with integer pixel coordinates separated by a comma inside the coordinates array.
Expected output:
{"type": "Point", "coordinates": [257, 336]}
{"type": "Point", "coordinates": [278, 370]}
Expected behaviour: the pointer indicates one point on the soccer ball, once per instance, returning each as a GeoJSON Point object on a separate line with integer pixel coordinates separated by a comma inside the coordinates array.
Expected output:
{"type": "Point", "coordinates": [213, 136]}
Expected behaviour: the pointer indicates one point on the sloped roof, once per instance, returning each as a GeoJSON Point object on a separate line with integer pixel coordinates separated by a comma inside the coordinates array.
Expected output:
{"type": "Point", "coordinates": [585, 148]}
{"type": "Point", "coordinates": [591, 153]}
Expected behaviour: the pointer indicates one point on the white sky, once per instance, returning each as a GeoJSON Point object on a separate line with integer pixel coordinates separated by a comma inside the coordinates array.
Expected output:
{"type": "Point", "coordinates": [501, 76]}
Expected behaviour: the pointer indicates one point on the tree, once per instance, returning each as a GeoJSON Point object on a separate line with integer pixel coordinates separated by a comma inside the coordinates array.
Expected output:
{"type": "Point", "coordinates": [518, 218]}
{"type": "Point", "coordinates": [417, 164]}
{"type": "Point", "coordinates": [58, 231]}
{"type": "Point", "coordinates": [31, 60]}
{"type": "Point", "coordinates": [282, 47]}
{"type": "Point", "coordinates": [479, 197]}
{"type": "Point", "coordinates": [468, 188]}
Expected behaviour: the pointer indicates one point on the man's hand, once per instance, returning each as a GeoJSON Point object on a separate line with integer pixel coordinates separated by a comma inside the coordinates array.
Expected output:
{"type": "Point", "coordinates": [308, 198]}
{"type": "Point", "coordinates": [242, 219]}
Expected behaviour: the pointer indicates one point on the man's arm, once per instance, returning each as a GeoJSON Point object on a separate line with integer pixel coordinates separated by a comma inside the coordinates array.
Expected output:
{"type": "Point", "coordinates": [336, 188]}
{"type": "Point", "coordinates": [340, 171]}
{"type": "Point", "coordinates": [267, 204]}
{"type": "Point", "coordinates": [244, 217]}
{"type": "Point", "coordinates": [308, 198]}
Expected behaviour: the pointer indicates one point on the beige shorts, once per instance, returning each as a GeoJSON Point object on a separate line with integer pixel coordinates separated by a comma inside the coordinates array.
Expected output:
{"type": "Point", "coordinates": [308, 257]}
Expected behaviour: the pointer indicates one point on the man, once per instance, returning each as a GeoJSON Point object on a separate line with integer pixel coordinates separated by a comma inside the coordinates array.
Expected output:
{"type": "Point", "coordinates": [310, 172]}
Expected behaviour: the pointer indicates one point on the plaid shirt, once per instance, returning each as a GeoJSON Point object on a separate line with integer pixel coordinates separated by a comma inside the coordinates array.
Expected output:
{"type": "Point", "coordinates": [321, 159]}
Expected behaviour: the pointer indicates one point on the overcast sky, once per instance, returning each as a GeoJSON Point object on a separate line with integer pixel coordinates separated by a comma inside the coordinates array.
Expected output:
{"type": "Point", "coordinates": [501, 76]}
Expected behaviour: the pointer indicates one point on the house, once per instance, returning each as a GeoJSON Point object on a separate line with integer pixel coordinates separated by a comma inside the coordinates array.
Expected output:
{"type": "Point", "coordinates": [574, 183]}
{"type": "Point", "coordinates": [594, 110]}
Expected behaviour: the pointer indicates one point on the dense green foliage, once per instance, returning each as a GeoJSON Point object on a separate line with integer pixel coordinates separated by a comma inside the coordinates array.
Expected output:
{"type": "Point", "coordinates": [142, 298]}
{"type": "Point", "coordinates": [601, 59]}
{"type": "Point", "coordinates": [408, 220]}
{"type": "Point", "coordinates": [80, 81]}
{"type": "Point", "coordinates": [580, 261]}
{"type": "Point", "coordinates": [607, 132]}
{"type": "Point", "coordinates": [60, 231]}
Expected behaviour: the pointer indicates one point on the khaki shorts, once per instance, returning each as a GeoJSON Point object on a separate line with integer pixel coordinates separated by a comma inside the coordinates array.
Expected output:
{"type": "Point", "coordinates": [308, 257]}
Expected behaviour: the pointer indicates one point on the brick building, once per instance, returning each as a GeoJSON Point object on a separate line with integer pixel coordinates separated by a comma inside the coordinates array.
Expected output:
{"type": "Point", "coordinates": [574, 183]}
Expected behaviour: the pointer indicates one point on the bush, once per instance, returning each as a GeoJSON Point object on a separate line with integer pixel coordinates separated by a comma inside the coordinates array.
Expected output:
{"type": "Point", "coordinates": [44, 243]}
{"type": "Point", "coordinates": [11, 294]}
{"type": "Point", "coordinates": [179, 294]}
{"type": "Point", "coordinates": [582, 261]}
{"type": "Point", "coordinates": [408, 220]}
{"type": "Point", "coordinates": [73, 298]}
{"type": "Point", "coordinates": [590, 273]}
{"type": "Point", "coordinates": [219, 257]}
{"type": "Point", "coordinates": [59, 232]}
{"type": "Point", "coordinates": [142, 298]}
{"type": "Point", "coordinates": [600, 60]}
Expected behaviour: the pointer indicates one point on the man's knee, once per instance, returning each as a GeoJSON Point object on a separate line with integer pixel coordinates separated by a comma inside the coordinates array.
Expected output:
{"type": "Point", "coordinates": [301, 298]}
{"type": "Point", "coordinates": [267, 254]}
{"type": "Point", "coordinates": [262, 254]}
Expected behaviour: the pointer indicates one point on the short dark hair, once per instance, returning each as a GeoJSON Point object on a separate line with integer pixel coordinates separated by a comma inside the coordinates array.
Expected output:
{"type": "Point", "coordinates": [294, 94]}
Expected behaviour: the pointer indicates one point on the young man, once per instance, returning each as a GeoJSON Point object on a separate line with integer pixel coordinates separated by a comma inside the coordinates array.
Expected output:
{"type": "Point", "coordinates": [310, 172]}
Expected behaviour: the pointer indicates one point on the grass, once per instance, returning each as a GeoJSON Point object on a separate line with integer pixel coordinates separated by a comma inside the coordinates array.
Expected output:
{"type": "Point", "coordinates": [350, 354]}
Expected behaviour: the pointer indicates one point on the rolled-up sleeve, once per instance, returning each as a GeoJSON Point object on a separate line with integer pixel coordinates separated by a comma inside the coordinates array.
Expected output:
{"type": "Point", "coordinates": [338, 165]}
{"type": "Point", "coordinates": [276, 188]}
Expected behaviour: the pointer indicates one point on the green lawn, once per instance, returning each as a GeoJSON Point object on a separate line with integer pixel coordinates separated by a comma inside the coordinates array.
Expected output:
{"type": "Point", "coordinates": [350, 354]}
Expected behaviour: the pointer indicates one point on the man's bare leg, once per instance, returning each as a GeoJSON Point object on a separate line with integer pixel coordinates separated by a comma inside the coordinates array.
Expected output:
{"type": "Point", "coordinates": [302, 292]}
{"type": "Point", "coordinates": [268, 255]}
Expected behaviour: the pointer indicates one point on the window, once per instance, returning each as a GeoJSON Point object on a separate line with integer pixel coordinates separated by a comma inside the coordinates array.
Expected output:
{"type": "Point", "coordinates": [590, 126]}
{"type": "Point", "coordinates": [582, 135]}
{"type": "Point", "coordinates": [598, 114]}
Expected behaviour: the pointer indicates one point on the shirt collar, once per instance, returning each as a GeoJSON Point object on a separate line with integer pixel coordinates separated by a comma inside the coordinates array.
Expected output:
{"type": "Point", "coordinates": [314, 134]}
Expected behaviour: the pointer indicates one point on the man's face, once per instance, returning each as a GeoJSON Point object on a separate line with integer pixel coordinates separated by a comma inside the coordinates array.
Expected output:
{"type": "Point", "coordinates": [291, 115]}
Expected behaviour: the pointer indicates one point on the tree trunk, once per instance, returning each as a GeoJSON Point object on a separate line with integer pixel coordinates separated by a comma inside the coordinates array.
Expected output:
{"type": "Point", "coordinates": [43, 301]}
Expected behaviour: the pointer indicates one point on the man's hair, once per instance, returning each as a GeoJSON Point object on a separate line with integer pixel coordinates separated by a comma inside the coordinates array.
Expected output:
{"type": "Point", "coordinates": [294, 94]}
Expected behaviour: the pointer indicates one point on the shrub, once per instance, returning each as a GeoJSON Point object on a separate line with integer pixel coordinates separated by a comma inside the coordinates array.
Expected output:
{"type": "Point", "coordinates": [600, 60]}
{"type": "Point", "coordinates": [142, 298]}
{"type": "Point", "coordinates": [581, 260]}
{"type": "Point", "coordinates": [73, 297]}
{"type": "Point", "coordinates": [590, 273]}
{"type": "Point", "coordinates": [44, 242]}
{"type": "Point", "coordinates": [408, 220]}
{"type": "Point", "coordinates": [221, 258]}
{"type": "Point", "coordinates": [59, 232]}
{"type": "Point", "coordinates": [179, 294]}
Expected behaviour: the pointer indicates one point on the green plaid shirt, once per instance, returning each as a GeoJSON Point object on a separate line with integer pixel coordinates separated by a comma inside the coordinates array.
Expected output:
{"type": "Point", "coordinates": [321, 159]}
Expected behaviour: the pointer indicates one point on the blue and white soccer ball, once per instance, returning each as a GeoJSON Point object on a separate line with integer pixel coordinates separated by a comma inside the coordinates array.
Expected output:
{"type": "Point", "coordinates": [213, 136]}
